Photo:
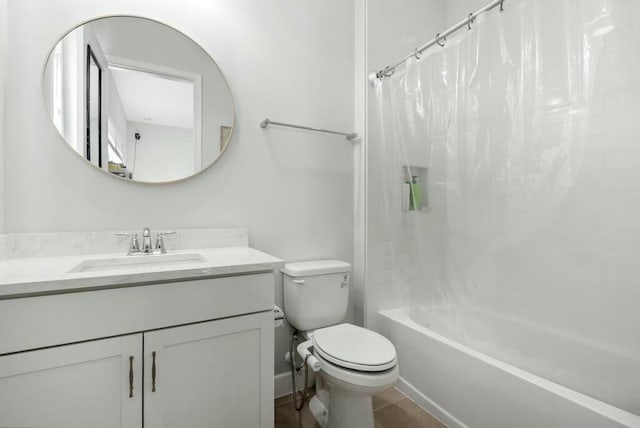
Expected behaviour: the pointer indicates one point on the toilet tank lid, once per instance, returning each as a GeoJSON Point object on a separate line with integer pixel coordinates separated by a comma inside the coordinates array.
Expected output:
{"type": "Point", "coordinates": [315, 267]}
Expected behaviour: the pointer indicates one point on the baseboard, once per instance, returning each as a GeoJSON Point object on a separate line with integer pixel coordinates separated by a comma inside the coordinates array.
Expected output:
{"type": "Point", "coordinates": [282, 384]}
{"type": "Point", "coordinates": [427, 404]}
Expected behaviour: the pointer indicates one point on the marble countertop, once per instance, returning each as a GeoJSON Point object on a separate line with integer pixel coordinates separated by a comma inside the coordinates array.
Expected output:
{"type": "Point", "coordinates": [22, 277]}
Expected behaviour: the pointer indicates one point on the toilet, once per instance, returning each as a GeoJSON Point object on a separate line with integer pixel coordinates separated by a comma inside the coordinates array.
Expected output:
{"type": "Point", "coordinates": [353, 363]}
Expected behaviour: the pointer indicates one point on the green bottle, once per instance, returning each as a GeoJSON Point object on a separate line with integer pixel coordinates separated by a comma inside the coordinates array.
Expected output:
{"type": "Point", "coordinates": [416, 197]}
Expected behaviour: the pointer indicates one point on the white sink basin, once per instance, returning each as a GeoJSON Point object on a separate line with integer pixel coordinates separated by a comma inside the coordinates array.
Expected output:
{"type": "Point", "coordinates": [137, 261]}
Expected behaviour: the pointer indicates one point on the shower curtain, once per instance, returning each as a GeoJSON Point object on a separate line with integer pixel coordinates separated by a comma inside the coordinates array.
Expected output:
{"type": "Point", "coordinates": [504, 187]}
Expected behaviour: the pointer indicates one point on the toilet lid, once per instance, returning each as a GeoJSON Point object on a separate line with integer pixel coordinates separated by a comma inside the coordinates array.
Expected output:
{"type": "Point", "coordinates": [354, 347]}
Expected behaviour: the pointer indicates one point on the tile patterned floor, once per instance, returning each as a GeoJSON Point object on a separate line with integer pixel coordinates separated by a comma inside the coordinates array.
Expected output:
{"type": "Point", "coordinates": [391, 409]}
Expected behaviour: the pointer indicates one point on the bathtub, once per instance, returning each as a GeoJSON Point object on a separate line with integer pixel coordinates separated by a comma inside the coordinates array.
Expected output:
{"type": "Point", "coordinates": [466, 388]}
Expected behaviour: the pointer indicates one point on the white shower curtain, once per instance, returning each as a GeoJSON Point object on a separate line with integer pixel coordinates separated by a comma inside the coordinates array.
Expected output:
{"type": "Point", "coordinates": [523, 135]}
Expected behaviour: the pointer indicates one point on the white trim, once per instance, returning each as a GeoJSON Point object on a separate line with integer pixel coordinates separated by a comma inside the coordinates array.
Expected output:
{"type": "Point", "coordinates": [134, 64]}
{"type": "Point", "coordinates": [428, 405]}
{"type": "Point", "coordinates": [177, 74]}
{"type": "Point", "coordinates": [197, 120]}
{"type": "Point", "coordinates": [282, 384]}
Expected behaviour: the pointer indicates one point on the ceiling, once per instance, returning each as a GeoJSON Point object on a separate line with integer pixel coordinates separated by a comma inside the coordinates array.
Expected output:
{"type": "Point", "coordinates": [155, 99]}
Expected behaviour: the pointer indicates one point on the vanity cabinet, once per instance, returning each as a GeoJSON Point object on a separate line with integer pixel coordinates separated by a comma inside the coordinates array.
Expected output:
{"type": "Point", "coordinates": [82, 385]}
{"type": "Point", "coordinates": [185, 356]}
{"type": "Point", "coordinates": [209, 374]}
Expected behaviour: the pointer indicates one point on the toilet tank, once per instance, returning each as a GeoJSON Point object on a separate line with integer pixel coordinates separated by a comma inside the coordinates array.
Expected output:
{"type": "Point", "coordinates": [316, 293]}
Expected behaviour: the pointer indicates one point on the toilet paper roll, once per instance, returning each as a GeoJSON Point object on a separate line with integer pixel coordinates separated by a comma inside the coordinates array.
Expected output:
{"type": "Point", "coordinates": [278, 316]}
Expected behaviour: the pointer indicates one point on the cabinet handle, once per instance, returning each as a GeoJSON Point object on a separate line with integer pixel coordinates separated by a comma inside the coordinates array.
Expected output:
{"type": "Point", "coordinates": [153, 372]}
{"type": "Point", "coordinates": [130, 376]}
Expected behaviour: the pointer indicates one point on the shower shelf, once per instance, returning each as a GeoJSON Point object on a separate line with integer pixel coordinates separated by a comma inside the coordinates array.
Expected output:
{"type": "Point", "coordinates": [414, 187]}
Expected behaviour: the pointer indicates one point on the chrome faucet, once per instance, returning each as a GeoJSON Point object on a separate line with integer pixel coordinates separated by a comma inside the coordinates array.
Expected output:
{"type": "Point", "coordinates": [147, 248]}
{"type": "Point", "coordinates": [134, 246]}
{"type": "Point", "coordinates": [160, 241]}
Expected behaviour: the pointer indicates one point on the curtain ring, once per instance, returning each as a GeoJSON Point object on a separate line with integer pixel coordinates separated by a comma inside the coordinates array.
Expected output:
{"type": "Point", "coordinates": [501, 6]}
{"type": "Point", "coordinates": [470, 21]}
{"type": "Point", "coordinates": [385, 72]}
{"type": "Point", "coordinates": [389, 71]}
{"type": "Point", "coordinates": [416, 53]}
{"type": "Point", "coordinates": [440, 41]}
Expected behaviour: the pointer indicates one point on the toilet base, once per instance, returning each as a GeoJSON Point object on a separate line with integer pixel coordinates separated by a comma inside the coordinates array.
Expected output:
{"type": "Point", "coordinates": [349, 409]}
{"type": "Point", "coordinates": [318, 407]}
{"type": "Point", "coordinates": [336, 407]}
{"type": "Point", "coordinates": [342, 409]}
{"type": "Point", "coordinates": [346, 395]}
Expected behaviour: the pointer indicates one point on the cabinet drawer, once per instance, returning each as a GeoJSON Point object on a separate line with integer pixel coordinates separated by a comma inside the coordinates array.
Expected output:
{"type": "Point", "coordinates": [35, 322]}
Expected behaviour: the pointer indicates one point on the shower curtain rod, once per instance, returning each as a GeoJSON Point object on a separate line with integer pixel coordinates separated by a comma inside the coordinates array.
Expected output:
{"type": "Point", "coordinates": [439, 39]}
{"type": "Point", "coordinates": [350, 135]}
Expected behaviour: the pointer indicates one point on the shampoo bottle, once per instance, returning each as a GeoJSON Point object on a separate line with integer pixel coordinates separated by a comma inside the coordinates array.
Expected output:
{"type": "Point", "coordinates": [416, 202]}
{"type": "Point", "coordinates": [406, 196]}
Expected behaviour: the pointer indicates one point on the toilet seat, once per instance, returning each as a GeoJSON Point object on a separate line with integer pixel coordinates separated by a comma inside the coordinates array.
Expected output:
{"type": "Point", "coordinates": [356, 348]}
{"type": "Point", "coordinates": [355, 380]}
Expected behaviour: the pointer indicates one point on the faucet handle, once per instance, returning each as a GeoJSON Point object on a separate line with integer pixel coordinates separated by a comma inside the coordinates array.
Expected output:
{"type": "Point", "coordinates": [134, 246]}
{"type": "Point", "coordinates": [160, 240]}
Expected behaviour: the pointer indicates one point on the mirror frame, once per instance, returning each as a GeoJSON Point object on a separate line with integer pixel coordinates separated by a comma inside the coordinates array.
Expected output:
{"type": "Point", "coordinates": [89, 163]}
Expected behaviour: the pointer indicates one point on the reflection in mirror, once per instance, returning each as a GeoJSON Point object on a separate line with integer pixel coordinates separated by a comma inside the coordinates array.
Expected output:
{"type": "Point", "coordinates": [94, 103]}
{"type": "Point", "coordinates": [138, 99]}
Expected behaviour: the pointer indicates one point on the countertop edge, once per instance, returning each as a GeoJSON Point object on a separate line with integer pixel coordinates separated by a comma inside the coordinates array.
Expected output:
{"type": "Point", "coordinates": [30, 287]}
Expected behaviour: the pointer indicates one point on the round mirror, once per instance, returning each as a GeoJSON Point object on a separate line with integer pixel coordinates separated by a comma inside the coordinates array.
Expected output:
{"type": "Point", "coordinates": [138, 99]}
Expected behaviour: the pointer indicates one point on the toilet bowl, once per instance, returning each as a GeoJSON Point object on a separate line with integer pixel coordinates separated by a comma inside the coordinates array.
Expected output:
{"type": "Point", "coordinates": [357, 364]}
{"type": "Point", "coordinates": [353, 363]}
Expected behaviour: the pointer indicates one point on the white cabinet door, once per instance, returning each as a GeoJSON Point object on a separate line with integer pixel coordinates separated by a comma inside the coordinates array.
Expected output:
{"type": "Point", "coordinates": [83, 385]}
{"type": "Point", "coordinates": [212, 374]}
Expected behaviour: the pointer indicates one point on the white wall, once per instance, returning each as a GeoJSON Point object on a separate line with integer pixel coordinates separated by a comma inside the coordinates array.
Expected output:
{"type": "Point", "coordinates": [74, 64]}
{"type": "Point", "coordinates": [163, 153]}
{"type": "Point", "coordinates": [115, 114]}
{"type": "Point", "coordinates": [3, 68]}
{"type": "Point", "coordinates": [284, 59]}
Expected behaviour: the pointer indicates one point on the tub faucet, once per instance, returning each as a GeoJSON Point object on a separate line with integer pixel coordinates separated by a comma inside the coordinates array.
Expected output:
{"type": "Point", "coordinates": [147, 247]}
